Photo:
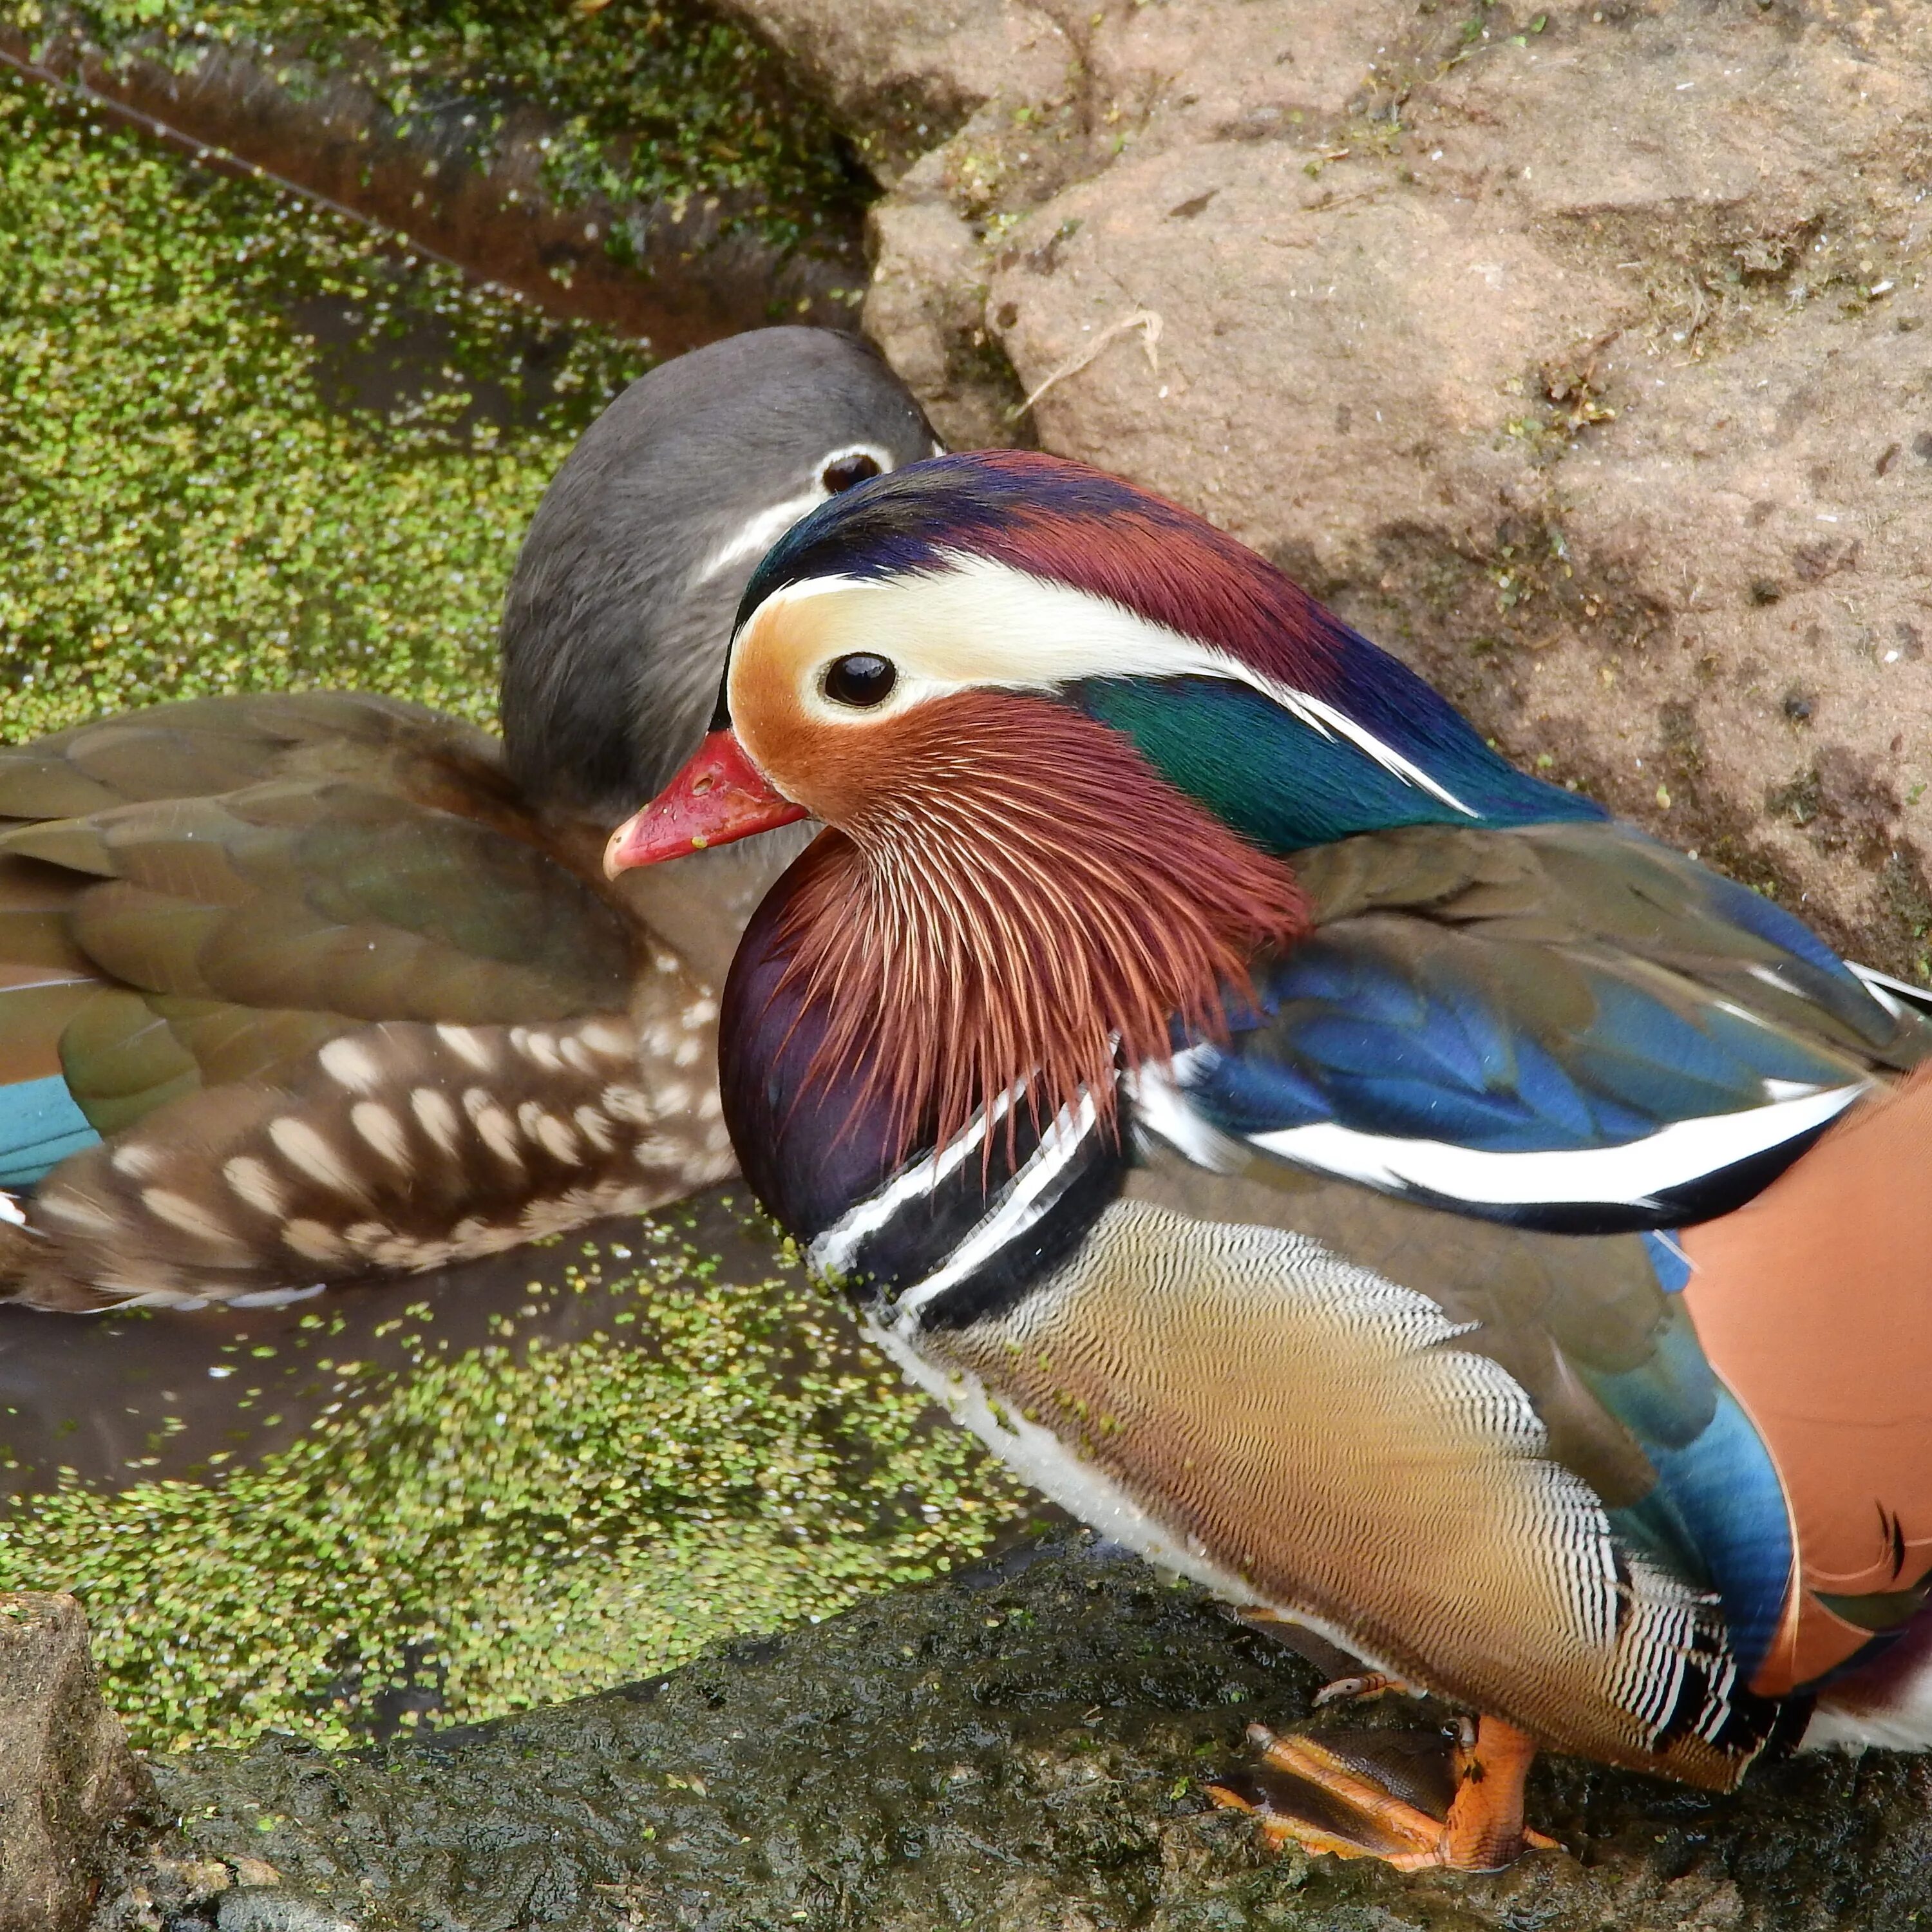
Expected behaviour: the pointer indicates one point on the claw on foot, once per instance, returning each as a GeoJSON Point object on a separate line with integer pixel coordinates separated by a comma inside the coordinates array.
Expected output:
{"type": "Point", "coordinates": [1370, 1683]}
{"type": "Point", "coordinates": [1404, 1797]}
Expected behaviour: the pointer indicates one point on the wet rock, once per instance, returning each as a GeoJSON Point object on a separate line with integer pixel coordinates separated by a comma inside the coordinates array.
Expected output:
{"type": "Point", "coordinates": [65, 1770]}
{"type": "Point", "coordinates": [674, 271]}
{"type": "Point", "coordinates": [1582, 355]}
{"type": "Point", "coordinates": [253, 1910]}
{"type": "Point", "coordinates": [1022, 1746]}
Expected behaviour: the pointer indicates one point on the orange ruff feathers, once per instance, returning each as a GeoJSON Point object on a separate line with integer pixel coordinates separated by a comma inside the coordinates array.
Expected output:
{"type": "Point", "coordinates": [1017, 890]}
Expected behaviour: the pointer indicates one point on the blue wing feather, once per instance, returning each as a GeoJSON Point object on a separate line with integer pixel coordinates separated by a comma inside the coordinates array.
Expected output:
{"type": "Point", "coordinates": [1716, 1515]}
{"type": "Point", "coordinates": [40, 1126]}
{"type": "Point", "coordinates": [1380, 1048]}
{"type": "Point", "coordinates": [1458, 1043]}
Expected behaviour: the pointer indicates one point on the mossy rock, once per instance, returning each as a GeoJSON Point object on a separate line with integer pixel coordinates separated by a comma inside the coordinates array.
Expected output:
{"type": "Point", "coordinates": [1022, 1746]}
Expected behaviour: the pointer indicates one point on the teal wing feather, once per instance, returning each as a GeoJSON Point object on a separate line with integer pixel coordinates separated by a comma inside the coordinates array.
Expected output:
{"type": "Point", "coordinates": [1569, 1026]}
{"type": "Point", "coordinates": [205, 893]}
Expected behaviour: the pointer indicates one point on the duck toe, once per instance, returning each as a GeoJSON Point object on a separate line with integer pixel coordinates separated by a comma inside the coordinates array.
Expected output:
{"type": "Point", "coordinates": [1413, 1799]}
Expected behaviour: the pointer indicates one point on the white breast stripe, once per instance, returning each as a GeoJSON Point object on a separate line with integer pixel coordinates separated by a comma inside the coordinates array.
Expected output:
{"type": "Point", "coordinates": [1632, 1174]}
{"type": "Point", "coordinates": [1017, 1209]}
{"type": "Point", "coordinates": [831, 1254]}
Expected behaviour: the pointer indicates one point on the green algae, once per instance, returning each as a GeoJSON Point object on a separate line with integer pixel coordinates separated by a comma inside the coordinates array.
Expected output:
{"type": "Point", "coordinates": [186, 507]}
{"type": "Point", "coordinates": [198, 497]}
{"type": "Point", "coordinates": [649, 101]}
{"type": "Point", "coordinates": [516, 1524]}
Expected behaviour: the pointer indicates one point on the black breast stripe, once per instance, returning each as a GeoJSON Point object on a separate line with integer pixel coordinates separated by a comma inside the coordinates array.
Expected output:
{"type": "Point", "coordinates": [963, 1233]}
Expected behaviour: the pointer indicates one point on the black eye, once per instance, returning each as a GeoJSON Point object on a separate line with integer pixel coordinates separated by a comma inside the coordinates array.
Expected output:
{"type": "Point", "coordinates": [860, 679]}
{"type": "Point", "coordinates": [842, 472]}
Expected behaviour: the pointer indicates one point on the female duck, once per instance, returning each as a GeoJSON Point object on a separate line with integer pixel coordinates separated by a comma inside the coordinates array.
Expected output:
{"type": "Point", "coordinates": [298, 989]}
{"type": "Point", "coordinates": [1366, 1179]}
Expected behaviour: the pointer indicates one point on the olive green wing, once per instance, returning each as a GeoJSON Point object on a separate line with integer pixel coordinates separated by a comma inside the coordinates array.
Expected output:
{"type": "Point", "coordinates": [362, 861]}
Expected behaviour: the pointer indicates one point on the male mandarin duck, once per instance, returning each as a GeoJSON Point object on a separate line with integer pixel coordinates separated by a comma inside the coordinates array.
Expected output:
{"type": "Point", "coordinates": [298, 989]}
{"type": "Point", "coordinates": [1364, 1178]}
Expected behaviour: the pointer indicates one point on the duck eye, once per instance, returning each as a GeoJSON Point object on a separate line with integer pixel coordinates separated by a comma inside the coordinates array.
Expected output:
{"type": "Point", "coordinates": [860, 679]}
{"type": "Point", "coordinates": [842, 472]}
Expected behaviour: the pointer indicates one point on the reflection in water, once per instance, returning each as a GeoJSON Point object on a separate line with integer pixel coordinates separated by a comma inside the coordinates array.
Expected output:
{"type": "Point", "coordinates": [459, 1494]}
{"type": "Point", "coordinates": [153, 1394]}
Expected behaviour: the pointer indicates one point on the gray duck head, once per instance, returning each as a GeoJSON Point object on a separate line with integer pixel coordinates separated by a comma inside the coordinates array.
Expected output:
{"type": "Point", "coordinates": [619, 613]}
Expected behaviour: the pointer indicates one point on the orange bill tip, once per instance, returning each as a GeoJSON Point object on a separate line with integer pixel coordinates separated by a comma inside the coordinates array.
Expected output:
{"type": "Point", "coordinates": [719, 797]}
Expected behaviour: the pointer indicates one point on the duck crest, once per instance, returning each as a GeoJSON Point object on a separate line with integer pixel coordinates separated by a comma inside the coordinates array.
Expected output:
{"type": "Point", "coordinates": [1337, 736]}
{"type": "Point", "coordinates": [1031, 895]}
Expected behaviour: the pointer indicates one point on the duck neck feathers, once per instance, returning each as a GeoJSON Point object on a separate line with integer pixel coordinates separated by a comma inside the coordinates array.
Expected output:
{"type": "Point", "coordinates": [1026, 906]}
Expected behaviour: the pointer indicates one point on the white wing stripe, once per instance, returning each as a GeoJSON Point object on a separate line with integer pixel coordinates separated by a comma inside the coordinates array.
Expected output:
{"type": "Point", "coordinates": [1633, 1174]}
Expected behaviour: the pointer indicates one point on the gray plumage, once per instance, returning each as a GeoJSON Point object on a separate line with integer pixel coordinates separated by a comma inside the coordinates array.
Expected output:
{"type": "Point", "coordinates": [301, 989]}
{"type": "Point", "coordinates": [613, 638]}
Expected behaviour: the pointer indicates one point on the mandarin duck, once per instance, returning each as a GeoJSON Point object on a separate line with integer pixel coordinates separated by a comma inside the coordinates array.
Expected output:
{"type": "Point", "coordinates": [1365, 1179]}
{"type": "Point", "coordinates": [298, 989]}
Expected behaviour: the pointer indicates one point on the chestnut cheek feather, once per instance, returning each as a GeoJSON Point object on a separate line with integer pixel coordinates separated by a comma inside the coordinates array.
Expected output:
{"type": "Point", "coordinates": [1020, 892]}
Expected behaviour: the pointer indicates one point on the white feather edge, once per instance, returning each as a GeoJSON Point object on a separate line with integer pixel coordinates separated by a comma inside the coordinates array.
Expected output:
{"type": "Point", "coordinates": [1898, 997]}
{"type": "Point", "coordinates": [1634, 1173]}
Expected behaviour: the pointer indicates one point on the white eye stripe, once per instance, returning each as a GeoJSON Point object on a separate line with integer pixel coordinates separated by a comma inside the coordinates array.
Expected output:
{"type": "Point", "coordinates": [972, 623]}
{"type": "Point", "coordinates": [759, 533]}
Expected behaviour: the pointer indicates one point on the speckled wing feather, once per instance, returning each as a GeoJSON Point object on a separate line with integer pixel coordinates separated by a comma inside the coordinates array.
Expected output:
{"type": "Point", "coordinates": [360, 861]}
{"type": "Point", "coordinates": [1568, 1026]}
{"type": "Point", "coordinates": [236, 885]}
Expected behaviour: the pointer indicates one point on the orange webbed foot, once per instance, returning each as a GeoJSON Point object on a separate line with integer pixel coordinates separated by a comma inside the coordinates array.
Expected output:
{"type": "Point", "coordinates": [1399, 1796]}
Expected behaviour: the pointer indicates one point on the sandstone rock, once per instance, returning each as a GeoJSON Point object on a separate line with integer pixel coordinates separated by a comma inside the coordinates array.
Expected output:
{"type": "Point", "coordinates": [904, 74]}
{"type": "Point", "coordinates": [65, 1770]}
{"type": "Point", "coordinates": [1575, 353]}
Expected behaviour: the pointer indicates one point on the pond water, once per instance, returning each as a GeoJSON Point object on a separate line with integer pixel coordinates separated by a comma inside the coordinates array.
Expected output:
{"type": "Point", "coordinates": [253, 444]}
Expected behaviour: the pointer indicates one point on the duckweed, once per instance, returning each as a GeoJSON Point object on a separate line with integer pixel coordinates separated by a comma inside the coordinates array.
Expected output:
{"type": "Point", "coordinates": [511, 1525]}
{"type": "Point", "coordinates": [194, 499]}
{"type": "Point", "coordinates": [253, 445]}
{"type": "Point", "coordinates": [648, 100]}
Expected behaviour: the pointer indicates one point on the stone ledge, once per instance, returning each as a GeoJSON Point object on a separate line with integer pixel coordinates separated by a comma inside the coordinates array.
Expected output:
{"type": "Point", "coordinates": [66, 1772]}
{"type": "Point", "coordinates": [1019, 1749]}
